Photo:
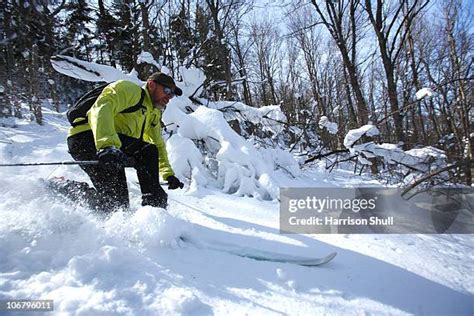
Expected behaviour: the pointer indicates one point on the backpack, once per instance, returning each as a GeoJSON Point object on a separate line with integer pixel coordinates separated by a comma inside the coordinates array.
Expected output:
{"type": "Point", "coordinates": [85, 102]}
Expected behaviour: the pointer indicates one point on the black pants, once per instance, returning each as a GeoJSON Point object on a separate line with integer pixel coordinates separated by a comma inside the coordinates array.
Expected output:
{"type": "Point", "coordinates": [110, 181]}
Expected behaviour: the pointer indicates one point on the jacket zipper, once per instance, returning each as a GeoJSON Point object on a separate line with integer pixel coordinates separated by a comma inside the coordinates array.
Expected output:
{"type": "Point", "coordinates": [143, 127]}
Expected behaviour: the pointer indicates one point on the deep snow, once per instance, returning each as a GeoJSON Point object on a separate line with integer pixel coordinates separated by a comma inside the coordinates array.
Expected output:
{"type": "Point", "coordinates": [135, 264]}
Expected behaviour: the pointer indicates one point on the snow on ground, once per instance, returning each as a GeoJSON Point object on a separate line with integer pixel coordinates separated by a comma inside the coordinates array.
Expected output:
{"type": "Point", "coordinates": [135, 264]}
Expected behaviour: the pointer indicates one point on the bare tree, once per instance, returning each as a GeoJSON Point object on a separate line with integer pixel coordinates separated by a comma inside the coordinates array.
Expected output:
{"type": "Point", "coordinates": [391, 22]}
{"type": "Point", "coordinates": [459, 45]}
{"type": "Point", "coordinates": [341, 18]}
{"type": "Point", "coordinates": [35, 102]}
{"type": "Point", "coordinates": [241, 45]}
{"type": "Point", "coordinates": [267, 44]}
{"type": "Point", "coordinates": [419, 131]}
{"type": "Point", "coordinates": [309, 42]}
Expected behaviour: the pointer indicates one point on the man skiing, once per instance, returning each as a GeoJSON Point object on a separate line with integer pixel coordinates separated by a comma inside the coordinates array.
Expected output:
{"type": "Point", "coordinates": [118, 138]}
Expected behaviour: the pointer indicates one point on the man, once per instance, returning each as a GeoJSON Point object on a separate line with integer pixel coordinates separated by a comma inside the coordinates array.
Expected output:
{"type": "Point", "coordinates": [118, 139]}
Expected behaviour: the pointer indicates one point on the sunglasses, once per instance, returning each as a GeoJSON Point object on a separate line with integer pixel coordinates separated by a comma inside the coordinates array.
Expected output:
{"type": "Point", "coordinates": [169, 92]}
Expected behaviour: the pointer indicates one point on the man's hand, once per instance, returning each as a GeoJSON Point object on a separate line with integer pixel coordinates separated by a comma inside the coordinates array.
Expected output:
{"type": "Point", "coordinates": [174, 183]}
{"type": "Point", "coordinates": [114, 156]}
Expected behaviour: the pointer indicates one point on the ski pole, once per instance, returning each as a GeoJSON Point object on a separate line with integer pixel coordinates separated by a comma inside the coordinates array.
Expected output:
{"type": "Point", "coordinates": [86, 162]}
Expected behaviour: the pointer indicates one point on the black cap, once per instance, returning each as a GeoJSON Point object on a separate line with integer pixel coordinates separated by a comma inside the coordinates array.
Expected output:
{"type": "Point", "coordinates": [166, 81]}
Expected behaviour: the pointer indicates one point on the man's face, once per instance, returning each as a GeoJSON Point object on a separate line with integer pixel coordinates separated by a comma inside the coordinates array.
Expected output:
{"type": "Point", "coordinates": [158, 96]}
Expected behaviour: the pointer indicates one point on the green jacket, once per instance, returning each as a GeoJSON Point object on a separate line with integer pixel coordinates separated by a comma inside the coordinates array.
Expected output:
{"type": "Point", "coordinates": [105, 120]}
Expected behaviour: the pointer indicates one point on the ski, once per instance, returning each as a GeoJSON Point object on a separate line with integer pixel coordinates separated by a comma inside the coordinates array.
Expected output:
{"type": "Point", "coordinates": [261, 255]}
{"type": "Point", "coordinates": [282, 258]}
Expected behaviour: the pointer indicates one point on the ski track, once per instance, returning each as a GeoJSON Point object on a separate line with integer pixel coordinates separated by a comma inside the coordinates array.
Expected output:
{"type": "Point", "coordinates": [135, 263]}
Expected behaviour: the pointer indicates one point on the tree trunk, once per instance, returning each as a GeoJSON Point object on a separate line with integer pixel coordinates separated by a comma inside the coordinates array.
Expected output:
{"type": "Point", "coordinates": [418, 119]}
{"type": "Point", "coordinates": [388, 64]}
{"type": "Point", "coordinates": [393, 99]}
{"type": "Point", "coordinates": [335, 10]}
{"type": "Point", "coordinates": [33, 78]}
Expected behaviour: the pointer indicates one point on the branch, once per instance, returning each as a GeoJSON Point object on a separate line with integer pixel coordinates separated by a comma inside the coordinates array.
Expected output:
{"type": "Point", "coordinates": [58, 9]}
{"type": "Point", "coordinates": [389, 115]}
{"type": "Point", "coordinates": [339, 161]}
{"type": "Point", "coordinates": [405, 33]}
{"type": "Point", "coordinates": [59, 58]}
{"type": "Point", "coordinates": [395, 18]}
{"type": "Point", "coordinates": [303, 29]}
{"type": "Point", "coordinates": [338, 151]}
{"type": "Point", "coordinates": [434, 173]}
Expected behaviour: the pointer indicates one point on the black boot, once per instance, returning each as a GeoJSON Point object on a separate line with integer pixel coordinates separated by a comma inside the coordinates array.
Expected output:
{"type": "Point", "coordinates": [155, 200]}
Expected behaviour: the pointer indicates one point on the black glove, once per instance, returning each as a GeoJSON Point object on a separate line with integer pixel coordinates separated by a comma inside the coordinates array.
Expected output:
{"type": "Point", "coordinates": [174, 183]}
{"type": "Point", "coordinates": [114, 157]}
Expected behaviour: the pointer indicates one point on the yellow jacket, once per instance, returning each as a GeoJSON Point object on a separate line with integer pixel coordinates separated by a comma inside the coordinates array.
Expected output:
{"type": "Point", "coordinates": [105, 120]}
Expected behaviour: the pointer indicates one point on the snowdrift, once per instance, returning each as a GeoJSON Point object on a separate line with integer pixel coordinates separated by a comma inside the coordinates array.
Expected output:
{"type": "Point", "coordinates": [136, 264]}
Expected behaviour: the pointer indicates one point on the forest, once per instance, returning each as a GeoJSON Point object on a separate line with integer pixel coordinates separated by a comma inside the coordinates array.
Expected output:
{"type": "Point", "coordinates": [404, 67]}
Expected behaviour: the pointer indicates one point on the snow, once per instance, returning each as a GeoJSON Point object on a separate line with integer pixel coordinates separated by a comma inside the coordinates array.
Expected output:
{"type": "Point", "coordinates": [424, 92]}
{"type": "Point", "coordinates": [241, 168]}
{"type": "Point", "coordinates": [422, 159]}
{"type": "Point", "coordinates": [355, 134]}
{"type": "Point", "coordinates": [270, 117]}
{"type": "Point", "coordinates": [427, 153]}
{"type": "Point", "coordinates": [281, 274]}
{"type": "Point", "coordinates": [331, 127]}
{"type": "Point", "coordinates": [147, 58]}
{"type": "Point", "coordinates": [193, 80]}
{"type": "Point", "coordinates": [136, 264]}
{"type": "Point", "coordinates": [89, 71]}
